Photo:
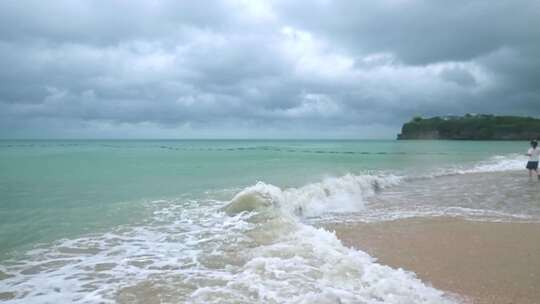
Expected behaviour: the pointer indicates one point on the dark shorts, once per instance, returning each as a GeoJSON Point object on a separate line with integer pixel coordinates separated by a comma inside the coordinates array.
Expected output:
{"type": "Point", "coordinates": [532, 165]}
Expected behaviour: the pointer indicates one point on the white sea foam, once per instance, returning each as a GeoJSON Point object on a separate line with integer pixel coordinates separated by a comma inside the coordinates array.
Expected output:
{"type": "Point", "coordinates": [497, 163]}
{"type": "Point", "coordinates": [95, 269]}
{"type": "Point", "coordinates": [332, 195]}
{"type": "Point", "coordinates": [310, 265]}
{"type": "Point", "coordinates": [349, 193]}
{"type": "Point", "coordinates": [256, 251]}
{"type": "Point", "coordinates": [392, 214]}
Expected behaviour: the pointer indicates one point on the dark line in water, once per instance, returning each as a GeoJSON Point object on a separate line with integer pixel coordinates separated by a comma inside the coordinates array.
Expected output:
{"type": "Point", "coordinates": [227, 149]}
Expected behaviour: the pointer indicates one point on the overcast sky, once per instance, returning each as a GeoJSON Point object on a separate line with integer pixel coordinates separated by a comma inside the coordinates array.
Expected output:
{"type": "Point", "coordinates": [261, 69]}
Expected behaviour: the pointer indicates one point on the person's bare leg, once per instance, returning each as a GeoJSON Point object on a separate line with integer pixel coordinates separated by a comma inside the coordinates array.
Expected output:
{"type": "Point", "coordinates": [530, 174]}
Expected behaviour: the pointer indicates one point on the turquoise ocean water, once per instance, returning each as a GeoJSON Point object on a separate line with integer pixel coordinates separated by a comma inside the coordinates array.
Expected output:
{"type": "Point", "coordinates": [141, 200]}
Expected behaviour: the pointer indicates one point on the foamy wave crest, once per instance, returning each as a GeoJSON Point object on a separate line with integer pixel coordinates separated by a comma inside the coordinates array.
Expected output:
{"type": "Point", "coordinates": [197, 254]}
{"type": "Point", "coordinates": [498, 163]}
{"type": "Point", "coordinates": [296, 263]}
{"type": "Point", "coordinates": [181, 248]}
{"type": "Point", "coordinates": [306, 265]}
{"type": "Point", "coordinates": [332, 195]}
{"type": "Point", "coordinates": [392, 214]}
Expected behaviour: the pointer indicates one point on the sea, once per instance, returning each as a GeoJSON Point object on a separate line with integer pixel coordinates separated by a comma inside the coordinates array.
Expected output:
{"type": "Point", "coordinates": [235, 221]}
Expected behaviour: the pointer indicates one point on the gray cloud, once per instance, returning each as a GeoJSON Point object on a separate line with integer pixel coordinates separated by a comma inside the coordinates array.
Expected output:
{"type": "Point", "coordinates": [253, 68]}
{"type": "Point", "coordinates": [421, 32]}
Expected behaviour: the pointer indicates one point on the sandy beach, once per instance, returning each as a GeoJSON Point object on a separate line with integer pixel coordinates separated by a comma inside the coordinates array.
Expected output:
{"type": "Point", "coordinates": [491, 263]}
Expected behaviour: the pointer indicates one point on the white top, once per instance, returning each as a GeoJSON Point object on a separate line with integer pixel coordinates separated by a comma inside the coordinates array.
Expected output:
{"type": "Point", "coordinates": [534, 154]}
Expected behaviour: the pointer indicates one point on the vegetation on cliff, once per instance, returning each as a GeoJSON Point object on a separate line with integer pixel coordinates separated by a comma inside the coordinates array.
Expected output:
{"type": "Point", "coordinates": [475, 127]}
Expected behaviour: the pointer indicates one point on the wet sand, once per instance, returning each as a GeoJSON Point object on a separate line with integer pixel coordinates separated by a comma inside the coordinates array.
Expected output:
{"type": "Point", "coordinates": [488, 263]}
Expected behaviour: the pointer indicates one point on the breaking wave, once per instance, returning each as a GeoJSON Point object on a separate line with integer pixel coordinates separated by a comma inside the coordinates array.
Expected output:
{"type": "Point", "coordinates": [497, 163]}
{"type": "Point", "coordinates": [333, 195]}
{"type": "Point", "coordinates": [348, 193]}
{"type": "Point", "coordinates": [255, 248]}
{"type": "Point", "coordinates": [252, 249]}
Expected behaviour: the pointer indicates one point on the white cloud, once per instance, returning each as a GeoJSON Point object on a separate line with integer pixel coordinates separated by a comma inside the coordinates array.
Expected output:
{"type": "Point", "coordinates": [312, 56]}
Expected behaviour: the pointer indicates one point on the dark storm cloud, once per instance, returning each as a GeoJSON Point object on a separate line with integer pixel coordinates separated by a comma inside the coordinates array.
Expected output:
{"type": "Point", "coordinates": [421, 32]}
{"type": "Point", "coordinates": [256, 68]}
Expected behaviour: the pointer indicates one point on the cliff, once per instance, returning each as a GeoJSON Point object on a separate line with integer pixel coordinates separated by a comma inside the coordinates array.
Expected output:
{"type": "Point", "coordinates": [473, 127]}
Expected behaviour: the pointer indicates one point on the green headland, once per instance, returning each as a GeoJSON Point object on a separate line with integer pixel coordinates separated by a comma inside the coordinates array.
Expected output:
{"type": "Point", "coordinates": [472, 127]}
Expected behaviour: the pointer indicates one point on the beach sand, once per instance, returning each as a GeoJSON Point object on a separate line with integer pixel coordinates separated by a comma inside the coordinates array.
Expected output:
{"type": "Point", "coordinates": [492, 263]}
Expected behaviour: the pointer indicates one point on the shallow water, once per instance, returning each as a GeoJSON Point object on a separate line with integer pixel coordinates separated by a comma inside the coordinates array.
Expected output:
{"type": "Point", "coordinates": [504, 196]}
{"type": "Point", "coordinates": [231, 221]}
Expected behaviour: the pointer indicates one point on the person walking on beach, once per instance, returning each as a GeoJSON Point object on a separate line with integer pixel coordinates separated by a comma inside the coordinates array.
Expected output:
{"type": "Point", "coordinates": [534, 157]}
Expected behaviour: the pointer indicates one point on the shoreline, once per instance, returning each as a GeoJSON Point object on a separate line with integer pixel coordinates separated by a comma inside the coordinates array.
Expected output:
{"type": "Point", "coordinates": [484, 262]}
